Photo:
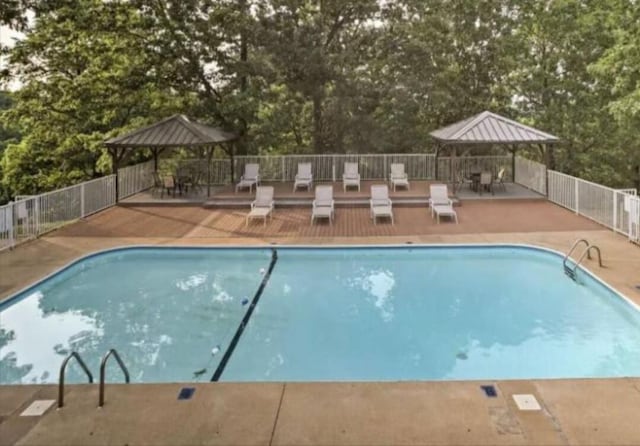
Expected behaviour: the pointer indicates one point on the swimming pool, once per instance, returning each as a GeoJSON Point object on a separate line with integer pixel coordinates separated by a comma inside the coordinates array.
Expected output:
{"type": "Point", "coordinates": [321, 314]}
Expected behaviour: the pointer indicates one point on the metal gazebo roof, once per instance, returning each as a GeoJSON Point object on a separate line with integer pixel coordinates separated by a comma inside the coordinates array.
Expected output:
{"type": "Point", "coordinates": [175, 131]}
{"type": "Point", "coordinates": [172, 132]}
{"type": "Point", "coordinates": [490, 128]}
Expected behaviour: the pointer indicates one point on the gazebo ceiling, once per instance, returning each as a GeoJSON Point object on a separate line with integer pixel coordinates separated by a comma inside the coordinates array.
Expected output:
{"type": "Point", "coordinates": [490, 128]}
{"type": "Point", "coordinates": [175, 131]}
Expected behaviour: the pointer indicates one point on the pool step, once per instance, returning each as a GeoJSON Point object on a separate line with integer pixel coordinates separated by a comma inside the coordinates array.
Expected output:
{"type": "Point", "coordinates": [570, 272]}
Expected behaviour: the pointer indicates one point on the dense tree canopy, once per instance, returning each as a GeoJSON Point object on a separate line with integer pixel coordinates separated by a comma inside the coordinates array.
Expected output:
{"type": "Point", "coordinates": [320, 76]}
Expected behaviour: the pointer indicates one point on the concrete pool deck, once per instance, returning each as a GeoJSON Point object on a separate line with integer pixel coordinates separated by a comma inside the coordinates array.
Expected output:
{"type": "Point", "coordinates": [593, 411]}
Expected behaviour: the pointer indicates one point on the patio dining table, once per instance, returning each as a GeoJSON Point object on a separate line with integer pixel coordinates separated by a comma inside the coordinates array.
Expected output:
{"type": "Point", "coordinates": [475, 176]}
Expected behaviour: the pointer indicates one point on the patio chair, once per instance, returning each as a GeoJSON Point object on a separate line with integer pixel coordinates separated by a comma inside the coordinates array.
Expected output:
{"type": "Point", "coordinates": [168, 184]}
{"type": "Point", "coordinates": [350, 177]}
{"type": "Point", "coordinates": [398, 176]}
{"type": "Point", "coordinates": [250, 178]}
{"type": "Point", "coordinates": [462, 180]}
{"type": "Point", "coordinates": [323, 205]}
{"type": "Point", "coordinates": [499, 182]}
{"type": "Point", "coordinates": [303, 177]}
{"type": "Point", "coordinates": [486, 182]}
{"type": "Point", "coordinates": [380, 203]}
{"type": "Point", "coordinates": [158, 185]}
{"type": "Point", "coordinates": [439, 196]}
{"type": "Point", "coordinates": [193, 182]}
{"type": "Point", "coordinates": [262, 206]}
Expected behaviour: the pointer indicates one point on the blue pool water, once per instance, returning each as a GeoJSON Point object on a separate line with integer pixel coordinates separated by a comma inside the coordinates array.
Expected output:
{"type": "Point", "coordinates": [410, 313]}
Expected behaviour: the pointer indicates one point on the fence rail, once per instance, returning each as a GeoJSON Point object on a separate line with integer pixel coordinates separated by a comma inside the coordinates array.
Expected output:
{"type": "Point", "coordinates": [616, 209]}
{"type": "Point", "coordinates": [34, 215]}
{"type": "Point", "coordinates": [324, 167]}
{"type": "Point", "coordinates": [452, 168]}
{"type": "Point", "coordinates": [136, 178]}
{"type": "Point", "coordinates": [531, 174]}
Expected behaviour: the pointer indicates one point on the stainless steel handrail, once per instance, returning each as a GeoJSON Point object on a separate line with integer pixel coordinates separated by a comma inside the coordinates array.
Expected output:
{"type": "Point", "coordinates": [575, 244]}
{"type": "Point", "coordinates": [587, 253]}
{"type": "Point", "coordinates": [63, 367]}
{"type": "Point", "coordinates": [103, 366]}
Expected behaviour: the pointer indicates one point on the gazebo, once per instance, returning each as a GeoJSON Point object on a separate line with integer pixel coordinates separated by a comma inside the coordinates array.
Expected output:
{"type": "Point", "coordinates": [176, 131]}
{"type": "Point", "coordinates": [489, 128]}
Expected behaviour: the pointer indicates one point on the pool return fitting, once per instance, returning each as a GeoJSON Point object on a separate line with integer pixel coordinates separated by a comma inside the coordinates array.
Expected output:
{"type": "Point", "coordinates": [572, 272]}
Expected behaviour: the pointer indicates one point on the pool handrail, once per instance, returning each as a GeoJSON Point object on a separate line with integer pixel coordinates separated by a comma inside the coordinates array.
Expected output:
{"type": "Point", "coordinates": [575, 244]}
{"type": "Point", "coordinates": [103, 366]}
{"type": "Point", "coordinates": [63, 368]}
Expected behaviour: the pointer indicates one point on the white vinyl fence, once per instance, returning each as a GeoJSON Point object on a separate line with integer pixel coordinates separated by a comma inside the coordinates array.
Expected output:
{"type": "Point", "coordinates": [32, 216]}
{"type": "Point", "coordinates": [451, 168]}
{"type": "Point", "coordinates": [616, 209]}
{"type": "Point", "coordinates": [531, 174]}
{"type": "Point", "coordinates": [324, 167]}
{"type": "Point", "coordinates": [133, 179]}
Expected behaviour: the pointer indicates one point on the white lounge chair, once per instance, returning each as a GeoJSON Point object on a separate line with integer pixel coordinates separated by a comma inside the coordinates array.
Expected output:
{"type": "Point", "coordinates": [445, 210]}
{"type": "Point", "coordinates": [303, 177]}
{"type": "Point", "coordinates": [262, 206]}
{"type": "Point", "coordinates": [499, 182]}
{"type": "Point", "coordinates": [250, 178]}
{"type": "Point", "coordinates": [350, 177]}
{"type": "Point", "coordinates": [439, 196]}
{"type": "Point", "coordinates": [323, 205]}
{"type": "Point", "coordinates": [398, 176]}
{"type": "Point", "coordinates": [380, 203]}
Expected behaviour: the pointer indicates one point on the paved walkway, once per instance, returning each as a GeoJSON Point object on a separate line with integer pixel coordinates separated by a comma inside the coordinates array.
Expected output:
{"type": "Point", "coordinates": [573, 412]}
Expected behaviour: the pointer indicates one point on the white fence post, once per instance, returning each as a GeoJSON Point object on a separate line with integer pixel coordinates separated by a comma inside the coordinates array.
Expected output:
{"type": "Point", "coordinates": [284, 175]}
{"type": "Point", "coordinates": [615, 211]}
{"type": "Point", "coordinates": [333, 168]}
{"type": "Point", "coordinates": [82, 213]}
{"type": "Point", "coordinates": [577, 195]}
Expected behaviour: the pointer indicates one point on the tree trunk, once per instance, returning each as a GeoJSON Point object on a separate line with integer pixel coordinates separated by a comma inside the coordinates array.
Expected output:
{"type": "Point", "coordinates": [244, 58]}
{"type": "Point", "coordinates": [550, 159]}
{"type": "Point", "coordinates": [317, 122]}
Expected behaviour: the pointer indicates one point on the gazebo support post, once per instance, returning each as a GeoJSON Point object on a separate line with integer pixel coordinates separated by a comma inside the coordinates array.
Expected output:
{"type": "Point", "coordinates": [513, 163]}
{"type": "Point", "coordinates": [452, 157]}
{"type": "Point", "coordinates": [156, 151]}
{"type": "Point", "coordinates": [116, 157]}
{"type": "Point", "coordinates": [436, 161]}
{"type": "Point", "coordinates": [209, 157]}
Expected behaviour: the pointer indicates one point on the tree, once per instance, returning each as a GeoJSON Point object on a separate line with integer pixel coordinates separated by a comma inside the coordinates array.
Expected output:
{"type": "Point", "coordinates": [618, 71]}
{"type": "Point", "coordinates": [85, 76]}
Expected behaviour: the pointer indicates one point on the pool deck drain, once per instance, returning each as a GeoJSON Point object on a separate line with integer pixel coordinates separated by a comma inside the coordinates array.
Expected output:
{"type": "Point", "coordinates": [526, 402]}
{"type": "Point", "coordinates": [37, 408]}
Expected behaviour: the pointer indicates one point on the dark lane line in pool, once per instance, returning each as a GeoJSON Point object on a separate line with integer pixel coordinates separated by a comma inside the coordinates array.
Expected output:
{"type": "Point", "coordinates": [245, 319]}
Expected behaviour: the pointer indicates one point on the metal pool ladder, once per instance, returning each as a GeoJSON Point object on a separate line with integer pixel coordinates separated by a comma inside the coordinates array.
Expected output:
{"type": "Point", "coordinates": [103, 366]}
{"type": "Point", "coordinates": [63, 368]}
{"type": "Point", "coordinates": [572, 272]}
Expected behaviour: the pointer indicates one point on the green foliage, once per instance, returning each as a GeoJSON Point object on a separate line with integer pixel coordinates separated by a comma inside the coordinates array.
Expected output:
{"type": "Point", "coordinates": [301, 76]}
